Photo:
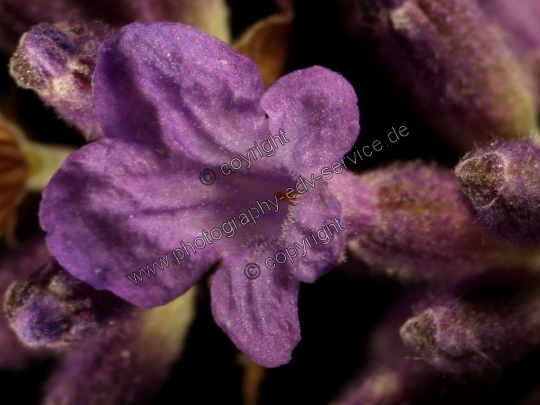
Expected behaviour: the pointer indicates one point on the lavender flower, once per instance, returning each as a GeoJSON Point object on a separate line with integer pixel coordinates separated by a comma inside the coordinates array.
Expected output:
{"type": "Point", "coordinates": [502, 187]}
{"type": "Point", "coordinates": [407, 220]}
{"type": "Point", "coordinates": [484, 322]}
{"type": "Point", "coordinates": [173, 102]}
{"type": "Point", "coordinates": [452, 64]}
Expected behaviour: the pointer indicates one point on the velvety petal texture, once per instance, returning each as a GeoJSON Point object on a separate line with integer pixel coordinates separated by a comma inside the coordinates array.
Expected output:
{"type": "Point", "coordinates": [243, 307]}
{"type": "Point", "coordinates": [199, 169]}
{"type": "Point", "coordinates": [292, 107]}
{"type": "Point", "coordinates": [451, 63]}
{"type": "Point", "coordinates": [58, 61]}
{"type": "Point", "coordinates": [501, 185]}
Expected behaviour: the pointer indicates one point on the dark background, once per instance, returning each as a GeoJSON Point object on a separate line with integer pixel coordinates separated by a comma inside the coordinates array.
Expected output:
{"type": "Point", "coordinates": [339, 310]}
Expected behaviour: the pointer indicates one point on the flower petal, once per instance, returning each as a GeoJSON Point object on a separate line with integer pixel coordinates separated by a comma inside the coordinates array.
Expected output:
{"type": "Point", "coordinates": [171, 84]}
{"type": "Point", "coordinates": [317, 109]}
{"type": "Point", "coordinates": [315, 236]}
{"type": "Point", "coordinates": [260, 315]}
{"type": "Point", "coordinates": [114, 207]}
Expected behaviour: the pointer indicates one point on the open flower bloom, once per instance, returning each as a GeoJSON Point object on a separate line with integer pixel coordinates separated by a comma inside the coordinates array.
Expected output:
{"type": "Point", "coordinates": [180, 109]}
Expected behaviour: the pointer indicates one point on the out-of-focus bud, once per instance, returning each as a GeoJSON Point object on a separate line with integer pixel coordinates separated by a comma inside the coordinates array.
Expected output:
{"type": "Point", "coordinates": [58, 61]}
{"type": "Point", "coordinates": [129, 366]}
{"type": "Point", "coordinates": [18, 16]}
{"type": "Point", "coordinates": [519, 20]}
{"type": "Point", "coordinates": [17, 266]}
{"type": "Point", "coordinates": [407, 220]}
{"type": "Point", "coordinates": [452, 63]}
{"type": "Point", "coordinates": [396, 377]}
{"type": "Point", "coordinates": [484, 322]}
{"type": "Point", "coordinates": [52, 309]}
{"type": "Point", "coordinates": [409, 381]}
{"type": "Point", "coordinates": [532, 398]}
{"type": "Point", "coordinates": [502, 187]}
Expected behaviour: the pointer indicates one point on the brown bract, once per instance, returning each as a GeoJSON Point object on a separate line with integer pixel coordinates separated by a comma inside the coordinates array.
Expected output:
{"type": "Point", "coordinates": [267, 43]}
{"type": "Point", "coordinates": [13, 173]}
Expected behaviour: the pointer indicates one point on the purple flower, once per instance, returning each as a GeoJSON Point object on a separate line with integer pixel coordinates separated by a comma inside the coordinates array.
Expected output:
{"type": "Point", "coordinates": [502, 187]}
{"type": "Point", "coordinates": [173, 103]}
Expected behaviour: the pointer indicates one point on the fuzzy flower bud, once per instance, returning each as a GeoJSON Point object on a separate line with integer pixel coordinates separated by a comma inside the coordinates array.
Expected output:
{"type": "Point", "coordinates": [451, 63]}
{"type": "Point", "coordinates": [18, 16]}
{"type": "Point", "coordinates": [128, 366]}
{"type": "Point", "coordinates": [484, 322]}
{"type": "Point", "coordinates": [407, 220]}
{"type": "Point", "coordinates": [58, 61]}
{"type": "Point", "coordinates": [519, 20]}
{"type": "Point", "coordinates": [14, 267]}
{"type": "Point", "coordinates": [502, 185]}
{"type": "Point", "coordinates": [409, 381]}
{"type": "Point", "coordinates": [53, 309]}
{"type": "Point", "coordinates": [395, 377]}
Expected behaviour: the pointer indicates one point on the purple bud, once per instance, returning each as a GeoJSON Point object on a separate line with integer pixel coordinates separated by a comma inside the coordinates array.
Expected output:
{"type": "Point", "coordinates": [18, 16]}
{"type": "Point", "coordinates": [15, 267]}
{"type": "Point", "coordinates": [407, 220]}
{"type": "Point", "coordinates": [519, 20]}
{"type": "Point", "coordinates": [486, 321]}
{"type": "Point", "coordinates": [502, 187]}
{"type": "Point", "coordinates": [451, 63]}
{"type": "Point", "coordinates": [128, 366]}
{"type": "Point", "coordinates": [395, 377]}
{"type": "Point", "coordinates": [409, 381]}
{"type": "Point", "coordinates": [53, 309]}
{"type": "Point", "coordinates": [58, 61]}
